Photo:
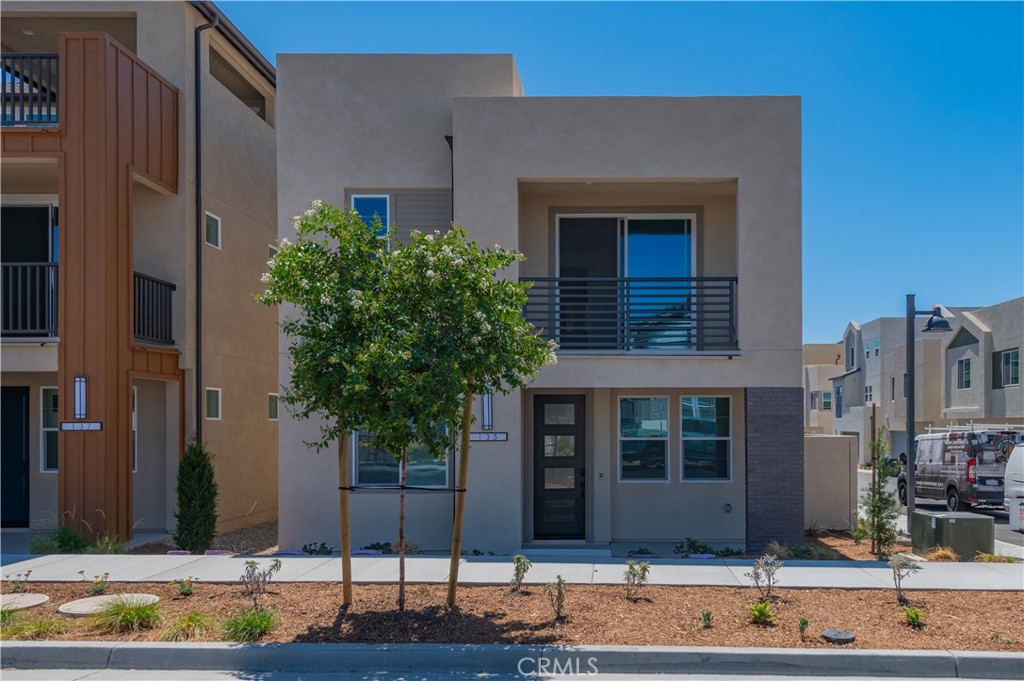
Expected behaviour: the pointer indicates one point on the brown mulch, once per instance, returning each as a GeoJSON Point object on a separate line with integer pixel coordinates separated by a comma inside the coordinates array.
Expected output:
{"type": "Point", "coordinates": [596, 615]}
{"type": "Point", "coordinates": [257, 540]}
{"type": "Point", "coordinates": [843, 544]}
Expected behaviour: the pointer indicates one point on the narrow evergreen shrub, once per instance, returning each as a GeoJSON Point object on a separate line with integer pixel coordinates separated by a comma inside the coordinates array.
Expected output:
{"type": "Point", "coordinates": [197, 499]}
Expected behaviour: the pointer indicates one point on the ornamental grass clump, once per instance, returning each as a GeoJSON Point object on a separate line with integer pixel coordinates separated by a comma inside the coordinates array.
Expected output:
{"type": "Point", "coordinates": [127, 613]}
{"type": "Point", "coordinates": [188, 627]}
{"type": "Point", "coordinates": [39, 628]}
{"type": "Point", "coordinates": [250, 625]}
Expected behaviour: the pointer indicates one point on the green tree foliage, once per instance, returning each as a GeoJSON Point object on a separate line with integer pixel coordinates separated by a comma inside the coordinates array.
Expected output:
{"type": "Point", "coordinates": [197, 499]}
{"type": "Point", "coordinates": [881, 507]}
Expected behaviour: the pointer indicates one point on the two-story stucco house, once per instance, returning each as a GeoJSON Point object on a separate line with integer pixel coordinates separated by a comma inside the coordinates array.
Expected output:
{"type": "Point", "coordinates": [127, 276]}
{"type": "Point", "coordinates": [663, 239]}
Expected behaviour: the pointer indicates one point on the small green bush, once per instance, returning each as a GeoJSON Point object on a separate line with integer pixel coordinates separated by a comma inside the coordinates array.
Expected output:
{"type": "Point", "coordinates": [321, 549]}
{"type": "Point", "coordinates": [914, 617]}
{"type": "Point", "coordinates": [761, 613]}
{"type": "Point", "coordinates": [107, 544]}
{"type": "Point", "coordinates": [187, 627]}
{"type": "Point", "coordinates": [65, 539]}
{"type": "Point", "coordinates": [520, 566]}
{"type": "Point", "coordinates": [636, 577]}
{"type": "Point", "coordinates": [186, 585]}
{"type": "Point", "coordinates": [690, 545]}
{"type": "Point", "coordinates": [98, 585]}
{"type": "Point", "coordinates": [802, 626]}
{"type": "Point", "coordinates": [7, 616]}
{"type": "Point", "coordinates": [707, 620]}
{"type": "Point", "coordinates": [556, 597]}
{"type": "Point", "coordinates": [197, 499]}
{"type": "Point", "coordinates": [44, 627]}
{"type": "Point", "coordinates": [249, 625]}
{"type": "Point", "coordinates": [125, 613]}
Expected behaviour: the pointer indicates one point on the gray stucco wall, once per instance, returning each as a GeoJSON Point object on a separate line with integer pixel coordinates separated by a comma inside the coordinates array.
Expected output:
{"type": "Point", "coordinates": [775, 466]}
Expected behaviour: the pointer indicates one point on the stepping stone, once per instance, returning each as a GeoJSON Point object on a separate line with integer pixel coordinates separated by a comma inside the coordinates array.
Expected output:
{"type": "Point", "coordinates": [838, 636]}
{"type": "Point", "coordinates": [84, 607]}
{"type": "Point", "coordinates": [22, 601]}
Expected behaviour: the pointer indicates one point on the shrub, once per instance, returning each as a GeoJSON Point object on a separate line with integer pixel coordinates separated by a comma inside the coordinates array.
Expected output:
{"type": "Point", "coordinates": [254, 580]}
{"type": "Point", "coordinates": [7, 616]}
{"type": "Point", "coordinates": [690, 545]}
{"type": "Point", "coordinates": [197, 499]}
{"type": "Point", "coordinates": [186, 585]}
{"type": "Point", "coordinates": [942, 554]}
{"type": "Point", "coordinates": [640, 551]}
{"type": "Point", "coordinates": [189, 626]}
{"type": "Point", "coordinates": [881, 507]}
{"type": "Point", "coordinates": [19, 582]}
{"type": "Point", "coordinates": [801, 551]}
{"type": "Point", "coordinates": [107, 544]}
{"type": "Point", "coordinates": [902, 568]}
{"type": "Point", "coordinates": [66, 539]}
{"type": "Point", "coordinates": [520, 566]}
{"type": "Point", "coordinates": [125, 613]}
{"type": "Point", "coordinates": [992, 558]}
{"type": "Point", "coordinates": [636, 578]}
{"type": "Point", "coordinates": [44, 627]}
{"type": "Point", "coordinates": [762, 573]}
{"type": "Point", "coordinates": [761, 613]}
{"type": "Point", "coordinates": [556, 597]}
{"type": "Point", "coordinates": [802, 627]}
{"type": "Point", "coordinates": [706, 620]}
{"type": "Point", "coordinates": [249, 625]}
{"type": "Point", "coordinates": [383, 547]}
{"type": "Point", "coordinates": [98, 585]}
{"type": "Point", "coordinates": [914, 617]}
{"type": "Point", "coordinates": [321, 549]}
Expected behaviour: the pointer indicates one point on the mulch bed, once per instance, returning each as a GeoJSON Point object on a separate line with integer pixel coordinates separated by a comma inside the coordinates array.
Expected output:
{"type": "Point", "coordinates": [843, 544]}
{"type": "Point", "coordinates": [596, 615]}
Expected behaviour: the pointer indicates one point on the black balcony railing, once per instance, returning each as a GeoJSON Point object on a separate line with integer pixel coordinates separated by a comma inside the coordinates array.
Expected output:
{"type": "Point", "coordinates": [29, 294]}
{"type": "Point", "coordinates": [672, 315]}
{"type": "Point", "coordinates": [154, 319]}
{"type": "Point", "coordinates": [29, 89]}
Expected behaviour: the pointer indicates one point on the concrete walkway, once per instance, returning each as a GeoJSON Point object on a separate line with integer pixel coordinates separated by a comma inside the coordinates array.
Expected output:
{"type": "Point", "coordinates": [498, 570]}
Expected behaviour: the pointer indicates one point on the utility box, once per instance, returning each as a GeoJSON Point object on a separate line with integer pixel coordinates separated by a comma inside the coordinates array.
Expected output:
{"type": "Point", "coordinates": [922, 531]}
{"type": "Point", "coordinates": [1016, 509]}
{"type": "Point", "coordinates": [966, 533]}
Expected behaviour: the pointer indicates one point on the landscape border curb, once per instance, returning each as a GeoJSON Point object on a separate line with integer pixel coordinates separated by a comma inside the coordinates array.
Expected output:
{"type": "Point", "coordinates": [505, 659]}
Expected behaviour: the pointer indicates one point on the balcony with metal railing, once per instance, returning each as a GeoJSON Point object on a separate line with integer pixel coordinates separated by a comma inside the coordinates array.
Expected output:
{"type": "Point", "coordinates": [30, 89]}
{"type": "Point", "coordinates": [154, 312]}
{"type": "Point", "coordinates": [29, 297]}
{"type": "Point", "coordinates": [613, 315]}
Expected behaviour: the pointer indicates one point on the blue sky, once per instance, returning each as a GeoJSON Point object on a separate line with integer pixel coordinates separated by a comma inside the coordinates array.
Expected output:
{"type": "Point", "coordinates": [913, 115]}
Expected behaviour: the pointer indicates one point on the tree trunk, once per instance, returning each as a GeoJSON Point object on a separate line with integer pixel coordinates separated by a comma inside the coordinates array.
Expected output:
{"type": "Point", "coordinates": [346, 533]}
{"type": "Point", "coordinates": [460, 496]}
{"type": "Point", "coordinates": [401, 531]}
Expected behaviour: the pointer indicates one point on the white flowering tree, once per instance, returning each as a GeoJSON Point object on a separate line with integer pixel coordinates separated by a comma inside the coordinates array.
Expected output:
{"type": "Point", "coordinates": [397, 341]}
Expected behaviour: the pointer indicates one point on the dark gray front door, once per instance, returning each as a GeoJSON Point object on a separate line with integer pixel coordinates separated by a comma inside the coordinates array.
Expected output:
{"type": "Point", "coordinates": [14, 456]}
{"type": "Point", "coordinates": [559, 467]}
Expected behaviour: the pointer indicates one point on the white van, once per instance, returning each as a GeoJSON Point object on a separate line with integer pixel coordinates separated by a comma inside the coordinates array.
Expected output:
{"type": "Point", "coordinates": [1013, 485]}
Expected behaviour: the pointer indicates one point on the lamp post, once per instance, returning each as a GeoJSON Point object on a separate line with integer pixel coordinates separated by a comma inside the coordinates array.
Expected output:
{"type": "Point", "coordinates": [936, 324]}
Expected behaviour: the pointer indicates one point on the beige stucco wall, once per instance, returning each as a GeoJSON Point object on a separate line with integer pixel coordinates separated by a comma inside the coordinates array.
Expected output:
{"type": "Point", "coordinates": [830, 481]}
{"type": "Point", "coordinates": [42, 486]}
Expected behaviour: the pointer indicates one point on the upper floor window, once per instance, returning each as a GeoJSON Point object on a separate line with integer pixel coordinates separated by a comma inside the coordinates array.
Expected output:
{"type": "Point", "coordinates": [707, 436]}
{"type": "Point", "coordinates": [867, 350]}
{"type": "Point", "coordinates": [213, 404]}
{"type": "Point", "coordinates": [906, 387]}
{"type": "Point", "coordinates": [868, 394]}
{"type": "Point", "coordinates": [371, 207]}
{"type": "Point", "coordinates": [892, 388]}
{"type": "Point", "coordinates": [876, 347]}
{"type": "Point", "coordinates": [826, 400]}
{"type": "Point", "coordinates": [643, 439]}
{"type": "Point", "coordinates": [213, 225]}
{"type": "Point", "coordinates": [272, 406]}
{"type": "Point", "coordinates": [963, 373]}
{"type": "Point", "coordinates": [853, 358]}
{"type": "Point", "coordinates": [1006, 369]}
{"type": "Point", "coordinates": [814, 401]}
{"type": "Point", "coordinates": [375, 466]}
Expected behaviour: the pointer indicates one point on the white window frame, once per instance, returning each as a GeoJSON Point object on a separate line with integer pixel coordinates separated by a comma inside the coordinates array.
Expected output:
{"type": "Point", "coordinates": [206, 404]}
{"type": "Point", "coordinates": [963, 373]}
{"type": "Point", "coordinates": [277, 406]}
{"type": "Point", "coordinates": [869, 394]}
{"type": "Point", "coordinates": [682, 439]}
{"type": "Point", "coordinates": [354, 447]}
{"type": "Point", "coordinates": [387, 199]}
{"type": "Point", "coordinates": [220, 231]}
{"type": "Point", "coordinates": [667, 439]}
{"type": "Point", "coordinates": [826, 400]}
{"type": "Point", "coordinates": [1003, 377]}
{"type": "Point", "coordinates": [43, 430]}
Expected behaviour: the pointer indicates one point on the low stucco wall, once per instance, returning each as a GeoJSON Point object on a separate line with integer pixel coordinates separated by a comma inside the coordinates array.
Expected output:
{"type": "Point", "coordinates": [830, 481]}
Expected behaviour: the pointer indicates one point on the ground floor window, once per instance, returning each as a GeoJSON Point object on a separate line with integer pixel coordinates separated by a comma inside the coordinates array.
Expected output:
{"type": "Point", "coordinates": [643, 438]}
{"type": "Point", "coordinates": [374, 466]}
{"type": "Point", "coordinates": [707, 438]}
{"type": "Point", "coordinates": [48, 422]}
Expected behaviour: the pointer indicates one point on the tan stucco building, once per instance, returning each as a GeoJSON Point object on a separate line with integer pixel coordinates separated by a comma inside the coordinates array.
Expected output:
{"type": "Point", "coordinates": [101, 288]}
{"type": "Point", "coordinates": [661, 235]}
{"type": "Point", "coordinates": [822, 363]}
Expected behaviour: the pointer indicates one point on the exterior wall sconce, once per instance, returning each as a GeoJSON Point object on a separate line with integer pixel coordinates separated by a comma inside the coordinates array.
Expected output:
{"type": "Point", "coordinates": [80, 397]}
{"type": "Point", "coordinates": [487, 411]}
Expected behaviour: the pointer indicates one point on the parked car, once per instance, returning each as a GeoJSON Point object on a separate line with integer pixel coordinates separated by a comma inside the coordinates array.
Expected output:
{"type": "Point", "coordinates": [1013, 485]}
{"type": "Point", "coordinates": [964, 467]}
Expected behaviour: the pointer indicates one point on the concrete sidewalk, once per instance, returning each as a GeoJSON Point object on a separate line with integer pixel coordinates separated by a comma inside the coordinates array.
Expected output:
{"type": "Point", "coordinates": [498, 570]}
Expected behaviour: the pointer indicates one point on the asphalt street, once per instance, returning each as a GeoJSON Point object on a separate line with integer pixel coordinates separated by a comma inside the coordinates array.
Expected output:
{"type": "Point", "coordinates": [1002, 521]}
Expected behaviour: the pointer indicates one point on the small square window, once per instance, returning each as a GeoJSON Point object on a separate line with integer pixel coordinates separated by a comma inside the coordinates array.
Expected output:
{"type": "Point", "coordinates": [373, 207]}
{"type": "Point", "coordinates": [272, 402]}
{"type": "Point", "coordinates": [213, 404]}
{"type": "Point", "coordinates": [212, 230]}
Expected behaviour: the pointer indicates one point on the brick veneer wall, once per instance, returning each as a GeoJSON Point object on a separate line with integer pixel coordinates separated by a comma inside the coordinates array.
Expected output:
{"type": "Point", "coordinates": [775, 466]}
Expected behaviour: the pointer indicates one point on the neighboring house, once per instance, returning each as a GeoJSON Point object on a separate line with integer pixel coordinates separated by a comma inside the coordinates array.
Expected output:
{"type": "Point", "coordinates": [981, 365]}
{"type": "Point", "coordinates": [675, 408]}
{"type": "Point", "coordinates": [822, 363]}
{"type": "Point", "coordinates": [955, 375]}
{"type": "Point", "coordinates": [101, 341]}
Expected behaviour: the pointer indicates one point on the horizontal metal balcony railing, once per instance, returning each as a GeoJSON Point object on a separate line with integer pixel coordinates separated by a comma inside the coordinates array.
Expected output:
{"type": "Point", "coordinates": [671, 315]}
{"type": "Point", "coordinates": [29, 294]}
{"type": "Point", "coordinates": [154, 318]}
{"type": "Point", "coordinates": [29, 89]}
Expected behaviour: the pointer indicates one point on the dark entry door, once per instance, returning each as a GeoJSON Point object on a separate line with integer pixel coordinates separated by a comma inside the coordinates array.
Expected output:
{"type": "Point", "coordinates": [559, 467]}
{"type": "Point", "coordinates": [14, 456]}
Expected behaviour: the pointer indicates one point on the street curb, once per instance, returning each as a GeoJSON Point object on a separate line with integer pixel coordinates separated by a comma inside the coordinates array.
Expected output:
{"type": "Point", "coordinates": [507, 659]}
